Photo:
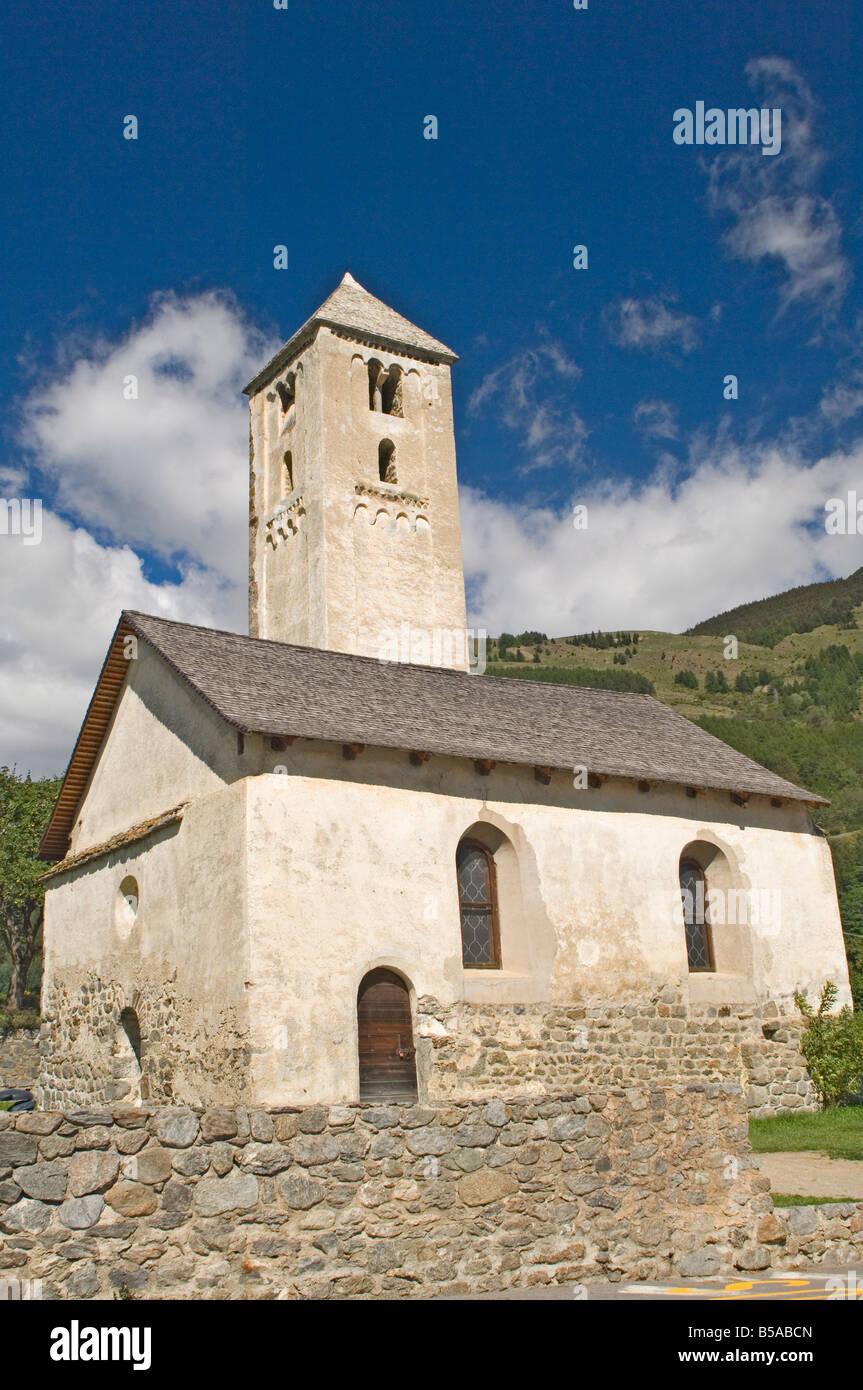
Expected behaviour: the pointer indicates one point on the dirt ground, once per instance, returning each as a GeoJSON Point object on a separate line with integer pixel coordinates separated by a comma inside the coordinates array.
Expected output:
{"type": "Point", "coordinates": [813, 1174]}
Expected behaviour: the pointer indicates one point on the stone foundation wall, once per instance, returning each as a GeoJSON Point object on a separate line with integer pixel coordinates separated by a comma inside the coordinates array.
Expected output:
{"type": "Point", "coordinates": [379, 1201]}
{"type": "Point", "coordinates": [463, 1050]}
{"type": "Point", "coordinates": [398, 1201]}
{"type": "Point", "coordinates": [778, 1081]}
{"type": "Point", "coordinates": [19, 1058]}
{"type": "Point", "coordinates": [183, 1052]}
{"type": "Point", "coordinates": [541, 1048]}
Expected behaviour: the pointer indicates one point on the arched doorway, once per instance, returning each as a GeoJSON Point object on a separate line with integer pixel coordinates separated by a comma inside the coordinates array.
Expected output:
{"type": "Point", "coordinates": [386, 1047]}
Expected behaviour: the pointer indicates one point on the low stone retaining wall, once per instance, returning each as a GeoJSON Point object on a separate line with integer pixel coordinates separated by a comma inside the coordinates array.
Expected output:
{"type": "Point", "coordinates": [795, 1237]}
{"type": "Point", "coordinates": [380, 1201]}
{"type": "Point", "coordinates": [19, 1058]}
{"type": "Point", "coordinates": [386, 1201]}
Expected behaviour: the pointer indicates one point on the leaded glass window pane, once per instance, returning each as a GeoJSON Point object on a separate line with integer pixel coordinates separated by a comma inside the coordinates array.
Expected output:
{"type": "Point", "coordinates": [476, 902]}
{"type": "Point", "coordinates": [693, 896]}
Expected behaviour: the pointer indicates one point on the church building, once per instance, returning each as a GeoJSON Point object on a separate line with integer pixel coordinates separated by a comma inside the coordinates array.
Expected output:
{"type": "Point", "coordinates": [329, 862]}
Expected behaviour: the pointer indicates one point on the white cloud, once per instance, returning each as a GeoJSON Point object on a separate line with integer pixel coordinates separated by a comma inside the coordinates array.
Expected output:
{"type": "Point", "coordinates": [61, 602]}
{"type": "Point", "coordinates": [656, 555]}
{"type": "Point", "coordinates": [525, 392]}
{"type": "Point", "coordinates": [844, 399]}
{"type": "Point", "coordinates": [164, 472]}
{"type": "Point", "coordinates": [778, 213]}
{"type": "Point", "coordinates": [163, 476]}
{"type": "Point", "coordinates": [651, 324]}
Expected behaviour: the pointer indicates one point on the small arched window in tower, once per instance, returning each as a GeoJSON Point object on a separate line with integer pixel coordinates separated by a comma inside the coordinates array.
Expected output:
{"type": "Point", "coordinates": [477, 900]}
{"type": "Point", "coordinates": [391, 392]}
{"type": "Point", "coordinates": [289, 472]}
{"type": "Point", "coordinates": [376, 372]}
{"type": "Point", "coordinates": [385, 389]}
{"type": "Point", "coordinates": [696, 921]}
{"type": "Point", "coordinates": [387, 461]}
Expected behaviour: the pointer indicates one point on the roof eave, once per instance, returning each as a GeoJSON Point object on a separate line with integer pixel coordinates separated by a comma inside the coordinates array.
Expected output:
{"type": "Point", "coordinates": [55, 838]}
{"type": "Point", "coordinates": [304, 335]}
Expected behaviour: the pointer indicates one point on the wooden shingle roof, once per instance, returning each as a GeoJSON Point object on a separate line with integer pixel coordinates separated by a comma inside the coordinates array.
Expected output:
{"type": "Point", "coordinates": [280, 690]}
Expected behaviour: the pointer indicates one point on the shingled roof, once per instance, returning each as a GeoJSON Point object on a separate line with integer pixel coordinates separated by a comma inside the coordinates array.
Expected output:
{"type": "Point", "coordinates": [279, 690]}
{"type": "Point", "coordinates": [352, 308]}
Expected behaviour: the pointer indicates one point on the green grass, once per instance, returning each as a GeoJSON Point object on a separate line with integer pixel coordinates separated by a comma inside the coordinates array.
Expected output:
{"type": "Point", "coordinates": [20, 1018]}
{"type": "Point", "coordinates": [783, 1199]}
{"type": "Point", "coordinates": [837, 1132]}
{"type": "Point", "coordinates": [6, 1104]}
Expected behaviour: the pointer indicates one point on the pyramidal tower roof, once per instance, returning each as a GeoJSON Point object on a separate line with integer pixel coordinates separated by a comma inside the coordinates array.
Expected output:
{"type": "Point", "coordinates": [350, 307]}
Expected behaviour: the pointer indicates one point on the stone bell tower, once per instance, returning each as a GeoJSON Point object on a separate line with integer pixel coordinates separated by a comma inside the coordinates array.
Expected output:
{"type": "Point", "coordinates": [354, 538]}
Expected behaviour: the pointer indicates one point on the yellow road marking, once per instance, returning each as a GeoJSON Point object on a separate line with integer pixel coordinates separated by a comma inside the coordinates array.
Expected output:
{"type": "Point", "coordinates": [809, 1297]}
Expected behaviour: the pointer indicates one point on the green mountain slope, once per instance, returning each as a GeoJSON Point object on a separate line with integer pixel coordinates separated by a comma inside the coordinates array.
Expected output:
{"type": "Point", "coordinates": [768, 620]}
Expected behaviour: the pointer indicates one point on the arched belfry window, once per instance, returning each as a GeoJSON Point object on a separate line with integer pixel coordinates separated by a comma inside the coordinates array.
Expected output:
{"type": "Point", "coordinates": [696, 921]}
{"type": "Point", "coordinates": [477, 898]}
{"type": "Point", "coordinates": [385, 388]}
{"type": "Point", "coordinates": [387, 461]}
{"type": "Point", "coordinates": [375, 374]}
{"type": "Point", "coordinates": [391, 392]}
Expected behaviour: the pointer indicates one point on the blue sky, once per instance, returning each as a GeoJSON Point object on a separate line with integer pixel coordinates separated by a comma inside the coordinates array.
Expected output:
{"type": "Point", "coordinates": [605, 386]}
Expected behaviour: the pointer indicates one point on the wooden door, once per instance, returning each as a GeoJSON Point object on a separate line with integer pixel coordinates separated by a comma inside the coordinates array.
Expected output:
{"type": "Point", "coordinates": [387, 1059]}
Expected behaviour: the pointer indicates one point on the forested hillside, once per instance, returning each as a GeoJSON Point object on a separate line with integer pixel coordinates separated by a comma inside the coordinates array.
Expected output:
{"type": "Point", "coordinates": [803, 609]}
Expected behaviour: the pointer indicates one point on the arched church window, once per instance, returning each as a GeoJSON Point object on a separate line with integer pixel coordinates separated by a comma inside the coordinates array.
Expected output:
{"type": "Point", "coordinates": [477, 898]}
{"type": "Point", "coordinates": [289, 472]}
{"type": "Point", "coordinates": [387, 461]}
{"type": "Point", "coordinates": [696, 921]}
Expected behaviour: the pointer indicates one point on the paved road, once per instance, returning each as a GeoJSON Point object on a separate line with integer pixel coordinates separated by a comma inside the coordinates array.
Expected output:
{"type": "Point", "coordinates": [797, 1287]}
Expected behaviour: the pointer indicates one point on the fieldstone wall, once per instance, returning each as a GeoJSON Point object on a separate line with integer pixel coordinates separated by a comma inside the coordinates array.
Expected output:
{"type": "Point", "coordinates": [463, 1050]}
{"type": "Point", "coordinates": [794, 1237]}
{"type": "Point", "coordinates": [19, 1058]}
{"type": "Point", "coordinates": [778, 1081]}
{"type": "Point", "coordinates": [541, 1048]}
{"type": "Point", "coordinates": [398, 1201]}
{"type": "Point", "coordinates": [380, 1201]}
{"type": "Point", "coordinates": [182, 1049]}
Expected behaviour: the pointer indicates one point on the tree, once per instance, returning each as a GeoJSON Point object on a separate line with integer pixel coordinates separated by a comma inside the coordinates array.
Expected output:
{"type": "Point", "coordinates": [24, 809]}
{"type": "Point", "coordinates": [832, 1046]}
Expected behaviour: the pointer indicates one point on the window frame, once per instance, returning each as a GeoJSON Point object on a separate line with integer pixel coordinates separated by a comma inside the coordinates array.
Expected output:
{"type": "Point", "coordinates": [706, 925]}
{"type": "Point", "coordinates": [492, 904]}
